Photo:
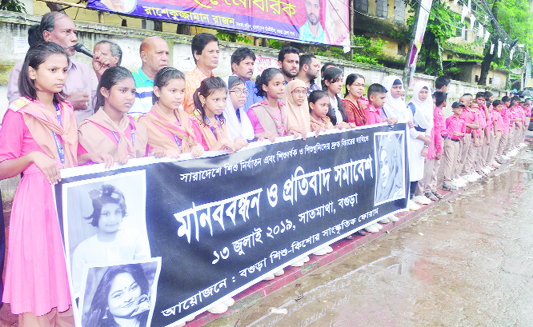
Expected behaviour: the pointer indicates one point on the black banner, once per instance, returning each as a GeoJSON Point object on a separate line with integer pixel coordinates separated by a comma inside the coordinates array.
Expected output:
{"type": "Point", "coordinates": [218, 225]}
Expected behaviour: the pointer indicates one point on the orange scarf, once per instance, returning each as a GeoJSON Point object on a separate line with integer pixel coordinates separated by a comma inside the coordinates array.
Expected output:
{"type": "Point", "coordinates": [156, 120]}
{"type": "Point", "coordinates": [95, 141]}
{"type": "Point", "coordinates": [42, 124]}
{"type": "Point", "coordinates": [209, 136]}
{"type": "Point", "coordinates": [324, 123]}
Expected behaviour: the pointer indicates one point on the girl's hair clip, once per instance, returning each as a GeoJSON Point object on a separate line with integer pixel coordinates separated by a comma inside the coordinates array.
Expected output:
{"type": "Point", "coordinates": [95, 194]}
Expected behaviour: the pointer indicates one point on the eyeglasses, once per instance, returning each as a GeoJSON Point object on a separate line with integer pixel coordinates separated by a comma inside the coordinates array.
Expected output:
{"type": "Point", "coordinates": [239, 92]}
{"type": "Point", "coordinates": [299, 92]}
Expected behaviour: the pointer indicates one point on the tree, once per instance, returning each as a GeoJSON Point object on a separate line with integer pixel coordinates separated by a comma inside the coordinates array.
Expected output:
{"type": "Point", "coordinates": [511, 22]}
{"type": "Point", "coordinates": [440, 27]}
{"type": "Point", "coordinates": [12, 5]}
{"type": "Point", "coordinates": [489, 57]}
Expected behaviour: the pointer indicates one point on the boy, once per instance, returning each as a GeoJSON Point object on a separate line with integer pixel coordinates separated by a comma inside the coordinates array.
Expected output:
{"type": "Point", "coordinates": [454, 132]}
{"type": "Point", "coordinates": [497, 127]}
{"type": "Point", "coordinates": [482, 134]}
{"type": "Point", "coordinates": [506, 131]}
{"type": "Point", "coordinates": [376, 99]}
{"type": "Point", "coordinates": [428, 185]}
{"type": "Point", "coordinates": [469, 142]}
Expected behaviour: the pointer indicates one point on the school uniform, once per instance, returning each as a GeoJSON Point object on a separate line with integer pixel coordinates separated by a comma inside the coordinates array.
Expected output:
{"type": "Point", "coordinates": [504, 139]}
{"type": "Point", "coordinates": [452, 146]}
{"type": "Point", "coordinates": [480, 133]}
{"type": "Point", "coordinates": [100, 134]}
{"type": "Point", "coordinates": [428, 184]}
{"type": "Point", "coordinates": [208, 133]}
{"type": "Point", "coordinates": [495, 135]}
{"type": "Point", "coordinates": [373, 115]}
{"type": "Point", "coordinates": [467, 142]}
{"type": "Point", "coordinates": [36, 281]}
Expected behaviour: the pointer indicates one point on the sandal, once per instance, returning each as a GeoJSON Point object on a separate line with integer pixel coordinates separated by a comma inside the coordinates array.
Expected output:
{"type": "Point", "coordinates": [438, 195]}
{"type": "Point", "coordinates": [449, 188]}
{"type": "Point", "coordinates": [430, 196]}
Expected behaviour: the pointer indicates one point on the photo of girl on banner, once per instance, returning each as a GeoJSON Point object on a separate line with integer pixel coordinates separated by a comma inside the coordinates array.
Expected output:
{"type": "Point", "coordinates": [105, 223]}
{"type": "Point", "coordinates": [389, 154]}
{"type": "Point", "coordinates": [121, 295]}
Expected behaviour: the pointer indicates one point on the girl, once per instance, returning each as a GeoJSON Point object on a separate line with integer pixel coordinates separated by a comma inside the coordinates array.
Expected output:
{"type": "Point", "coordinates": [269, 117]}
{"type": "Point", "coordinates": [110, 129]}
{"type": "Point", "coordinates": [354, 101]}
{"type": "Point", "coordinates": [332, 83]}
{"type": "Point", "coordinates": [237, 121]}
{"type": "Point", "coordinates": [38, 137]}
{"type": "Point", "coordinates": [394, 110]}
{"type": "Point", "coordinates": [122, 298]}
{"type": "Point", "coordinates": [111, 243]}
{"type": "Point", "coordinates": [298, 118]}
{"type": "Point", "coordinates": [167, 124]}
{"type": "Point", "coordinates": [319, 107]}
{"type": "Point", "coordinates": [421, 113]}
{"type": "Point", "coordinates": [207, 121]}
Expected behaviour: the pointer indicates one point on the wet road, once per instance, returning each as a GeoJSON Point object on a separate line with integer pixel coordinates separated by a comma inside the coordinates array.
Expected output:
{"type": "Point", "coordinates": [466, 262]}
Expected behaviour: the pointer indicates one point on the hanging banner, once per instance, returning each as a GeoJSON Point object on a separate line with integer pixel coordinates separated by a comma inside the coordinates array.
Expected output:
{"type": "Point", "coordinates": [316, 21]}
{"type": "Point", "coordinates": [152, 243]}
{"type": "Point", "coordinates": [425, 9]}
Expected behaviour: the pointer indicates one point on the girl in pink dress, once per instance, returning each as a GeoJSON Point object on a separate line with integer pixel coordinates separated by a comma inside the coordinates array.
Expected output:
{"type": "Point", "coordinates": [269, 117]}
{"type": "Point", "coordinates": [110, 131]}
{"type": "Point", "coordinates": [38, 138]}
{"type": "Point", "coordinates": [208, 122]}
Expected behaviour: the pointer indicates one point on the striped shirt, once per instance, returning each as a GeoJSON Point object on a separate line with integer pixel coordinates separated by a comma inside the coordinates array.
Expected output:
{"type": "Point", "coordinates": [143, 94]}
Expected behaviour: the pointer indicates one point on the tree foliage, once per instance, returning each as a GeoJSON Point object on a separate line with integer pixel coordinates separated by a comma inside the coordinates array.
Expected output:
{"type": "Point", "coordinates": [514, 22]}
{"type": "Point", "coordinates": [12, 5]}
{"type": "Point", "coordinates": [440, 27]}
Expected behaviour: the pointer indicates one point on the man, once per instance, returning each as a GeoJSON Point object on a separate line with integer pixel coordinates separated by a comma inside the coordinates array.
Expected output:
{"type": "Point", "coordinates": [441, 83]}
{"type": "Point", "coordinates": [81, 83]}
{"type": "Point", "coordinates": [205, 51]}
{"type": "Point", "coordinates": [242, 65]}
{"type": "Point", "coordinates": [289, 63]}
{"type": "Point", "coordinates": [309, 68]}
{"type": "Point", "coordinates": [154, 55]}
{"type": "Point", "coordinates": [312, 31]}
{"type": "Point", "coordinates": [107, 54]}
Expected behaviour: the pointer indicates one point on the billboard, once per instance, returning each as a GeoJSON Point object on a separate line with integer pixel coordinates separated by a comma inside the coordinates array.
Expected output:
{"type": "Point", "coordinates": [313, 21]}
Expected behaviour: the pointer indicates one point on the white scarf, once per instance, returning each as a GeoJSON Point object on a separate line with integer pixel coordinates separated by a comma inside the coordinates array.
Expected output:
{"type": "Point", "coordinates": [235, 127]}
{"type": "Point", "coordinates": [423, 116]}
{"type": "Point", "coordinates": [394, 107]}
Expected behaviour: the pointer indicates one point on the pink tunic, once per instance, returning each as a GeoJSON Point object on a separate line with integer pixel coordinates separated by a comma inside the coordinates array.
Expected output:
{"type": "Point", "coordinates": [36, 276]}
{"type": "Point", "coordinates": [256, 124]}
{"type": "Point", "coordinates": [436, 133]}
{"type": "Point", "coordinates": [373, 116]}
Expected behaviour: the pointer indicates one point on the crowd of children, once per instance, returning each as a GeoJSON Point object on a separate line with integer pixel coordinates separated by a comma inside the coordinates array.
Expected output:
{"type": "Point", "coordinates": [39, 137]}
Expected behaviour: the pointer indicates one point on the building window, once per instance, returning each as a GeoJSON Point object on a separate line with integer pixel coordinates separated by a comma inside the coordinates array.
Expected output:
{"type": "Point", "coordinates": [401, 49]}
{"type": "Point", "coordinates": [465, 29]}
{"type": "Point", "coordinates": [450, 56]}
{"type": "Point", "coordinates": [399, 11]}
{"type": "Point", "coordinates": [476, 79]}
{"type": "Point", "coordinates": [361, 5]}
{"type": "Point", "coordinates": [490, 80]}
{"type": "Point", "coordinates": [459, 32]}
{"type": "Point", "coordinates": [382, 8]}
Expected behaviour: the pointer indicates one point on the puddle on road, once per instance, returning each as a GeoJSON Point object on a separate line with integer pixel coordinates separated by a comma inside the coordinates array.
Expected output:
{"type": "Point", "coordinates": [467, 262]}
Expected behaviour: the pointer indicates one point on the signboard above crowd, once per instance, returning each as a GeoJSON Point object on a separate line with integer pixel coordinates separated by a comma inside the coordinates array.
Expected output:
{"type": "Point", "coordinates": [313, 21]}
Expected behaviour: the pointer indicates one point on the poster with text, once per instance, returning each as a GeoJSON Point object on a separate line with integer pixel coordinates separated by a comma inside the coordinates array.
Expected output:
{"type": "Point", "coordinates": [310, 21]}
{"type": "Point", "coordinates": [213, 226]}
